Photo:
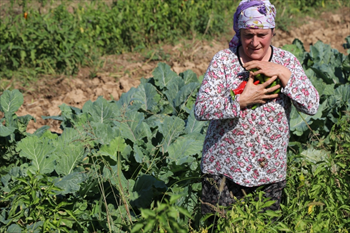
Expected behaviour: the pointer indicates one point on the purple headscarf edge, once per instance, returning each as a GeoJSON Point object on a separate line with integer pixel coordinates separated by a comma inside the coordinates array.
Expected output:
{"type": "Point", "coordinates": [241, 8]}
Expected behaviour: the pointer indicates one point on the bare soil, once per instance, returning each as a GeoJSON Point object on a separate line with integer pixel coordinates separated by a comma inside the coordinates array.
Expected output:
{"type": "Point", "coordinates": [118, 73]}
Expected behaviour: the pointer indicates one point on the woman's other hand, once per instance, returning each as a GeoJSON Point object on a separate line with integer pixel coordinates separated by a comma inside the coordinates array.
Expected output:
{"type": "Point", "coordinates": [270, 69]}
{"type": "Point", "coordinates": [257, 94]}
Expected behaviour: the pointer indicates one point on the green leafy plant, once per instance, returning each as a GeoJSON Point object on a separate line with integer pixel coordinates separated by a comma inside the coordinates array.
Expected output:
{"type": "Point", "coordinates": [132, 163]}
{"type": "Point", "coordinates": [166, 217]}
{"type": "Point", "coordinates": [34, 205]}
{"type": "Point", "coordinates": [328, 71]}
{"type": "Point", "coordinates": [12, 129]}
{"type": "Point", "coordinates": [248, 215]}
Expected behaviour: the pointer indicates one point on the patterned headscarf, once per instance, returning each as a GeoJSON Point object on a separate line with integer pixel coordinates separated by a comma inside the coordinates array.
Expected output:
{"type": "Point", "coordinates": [259, 14]}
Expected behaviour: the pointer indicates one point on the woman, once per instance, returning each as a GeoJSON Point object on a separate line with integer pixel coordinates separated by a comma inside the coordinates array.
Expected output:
{"type": "Point", "coordinates": [245, 148]}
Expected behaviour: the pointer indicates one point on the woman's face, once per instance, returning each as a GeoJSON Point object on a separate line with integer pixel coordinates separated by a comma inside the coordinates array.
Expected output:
{"type": "Point", "coordinates": [256, 43]}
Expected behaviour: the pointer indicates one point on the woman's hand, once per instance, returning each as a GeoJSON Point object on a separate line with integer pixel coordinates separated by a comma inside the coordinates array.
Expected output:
{"type": "Point", "coordinates": [269, 69]}
{"type": "Point", "coordinates": [257, 94]}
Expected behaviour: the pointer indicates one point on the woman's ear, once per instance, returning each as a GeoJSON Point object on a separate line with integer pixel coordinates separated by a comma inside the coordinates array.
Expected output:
{"type": "Point", "coordinates": [273, 32]}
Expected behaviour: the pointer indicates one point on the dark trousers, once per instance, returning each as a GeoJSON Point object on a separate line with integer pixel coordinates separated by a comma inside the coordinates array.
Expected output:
{"type": "Point", "coordinates": [230, 192]}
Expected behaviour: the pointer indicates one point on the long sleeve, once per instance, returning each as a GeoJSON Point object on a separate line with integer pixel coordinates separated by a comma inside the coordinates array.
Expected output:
{"type": "Point", "coordinates": [300, 90]}
{"type": "Point", "coordinates": [214, 100]}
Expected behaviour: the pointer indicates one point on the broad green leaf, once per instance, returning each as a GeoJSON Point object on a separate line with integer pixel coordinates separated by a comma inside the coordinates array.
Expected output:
{"type": "Point", "coordinates": [6, 131]}
{"type": "Point", "coordinates": [296, 48]}
{"type": "Point", "coordinates": [171, 128]}
{"type": "Point", "coordinates": [173, 88]}
{"type": "Point", "coordinates": [40, 152]}
{"type": "Point", "coordinates": [194, 165]}
{"type": "Point", "coordinates": [327, 63]}
{"type": "Point", "coordinates": [299, 123]}
{"type": "Point", "coordinates": [68, 157]}
{"type": "Point", "coordinates": [69, 183]}
{"type": "Point", "coordinates": [118, 179]}
{"type": "Point", "coordinates": [185, 93]}
{"type": "Point", "coordinates": [133, 127]}
{"type": "Point", "coordinates": [194, 126]}
{"type": "Point", "coordinates": [71, 135]}
{"type": "Point", "coordinates": [321, 87]}
{"type": "Point", "coordinates": [11, 120]}
{"type": "Point", "coordinates": [155, 120]}
{"type": "Point", "coordinates": [14, 228]}
{"type": "Point", "coordinates": [117, 145]}
{"type": "Point", "coordinates": [184, 147]}
{"type": "Point", "coordinates": [123, 212]}
{"type": "Point", "coordinates": [66, 110]}
{"type": "Point", "coordinates": [143, 190]}
{"type": "Point", "coordinates": [70, 117]}
{"type": "Point", "coordinates": [102, 111]}
{"type": "Point", "coordinates": [164, 175]}
{"type": "Point", "coordinates": [166, 107]}
{"type": "Point", "coordinates": [326, 73]}
{"type": "Point", "coordinates": [343, 92]}
{"type": "Point", "coordinates": [314, 156]}
{"type": "Point", "coordinates": [5, 179]}
{"type": "Point", "coordinates": [111, 174]}
{"type": "Point", "coordinates": [22, 122]}
{"type": "Point", "coordinates": [10, 101]}
{"type": "Point", "coordinates": [189, 76]}
{"type": "Point", "coordinates": [321, 52]}
{"type": "Point", "coordinates": [138, 155]}
{"type": "Point", "coordinates": [125, 99]}
{"type": "Point", "coordinates": [162, 75]}
{"type": "Point", "coordinates": [346, 62]}
{"type": "Point", "coordinates": [3, 216]}
{"type": "Point", "coordinates": [187, 198]}
{"type": "Point", "coordinates": [146, 97]}
{"type": "Point", "coordinates": [103, 133]}
{"type": "Point", "coordinates": [76, 110]}
{"type": "Point", "coordinates": [39, 132]}
{"type": "Point", "coordinates": [176, 82]}
{"type": "Point", "coordinates": [200, 78]}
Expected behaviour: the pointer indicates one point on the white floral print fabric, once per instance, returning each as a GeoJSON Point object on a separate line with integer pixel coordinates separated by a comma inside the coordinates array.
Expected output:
{"type": "Point", "coordinates": [249, 146]}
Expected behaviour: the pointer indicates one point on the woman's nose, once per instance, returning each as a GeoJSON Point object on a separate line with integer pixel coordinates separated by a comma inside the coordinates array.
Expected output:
{"type": "Point", "coordinates": [255, 41]}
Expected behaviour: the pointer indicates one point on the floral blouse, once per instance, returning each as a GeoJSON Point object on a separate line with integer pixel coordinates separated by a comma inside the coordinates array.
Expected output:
{"type": "Point", "coordinates": [249, 146]}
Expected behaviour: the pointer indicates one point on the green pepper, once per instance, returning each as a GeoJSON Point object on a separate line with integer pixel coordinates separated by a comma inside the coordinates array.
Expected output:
{"type": "Point", "coordinates": [262, 78]}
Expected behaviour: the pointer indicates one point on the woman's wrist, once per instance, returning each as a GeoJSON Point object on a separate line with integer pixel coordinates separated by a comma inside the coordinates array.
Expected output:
{"type": "Point", "coordinates": [241, 101]}
{"type": "Point", "coordinates": [284, 76]}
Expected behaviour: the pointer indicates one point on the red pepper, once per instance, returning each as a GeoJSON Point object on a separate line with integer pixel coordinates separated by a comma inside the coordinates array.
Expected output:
{"type": "Point", "coordinates": [240, 88]}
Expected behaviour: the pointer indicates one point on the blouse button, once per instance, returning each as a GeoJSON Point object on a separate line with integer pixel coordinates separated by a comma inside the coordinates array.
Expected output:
{"type": "Point", "coordinates": [262, 162]}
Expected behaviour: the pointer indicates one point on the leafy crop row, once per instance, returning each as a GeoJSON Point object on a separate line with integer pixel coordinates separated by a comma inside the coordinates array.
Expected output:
{"type": "Point", "coordinates": [59, 41]}
{"type": "Point", "coordinates": [135, 151]}
{"type": "Point", "coordinates": [132, 165]}
{"type": "Point", "coordinates": [329, 71]}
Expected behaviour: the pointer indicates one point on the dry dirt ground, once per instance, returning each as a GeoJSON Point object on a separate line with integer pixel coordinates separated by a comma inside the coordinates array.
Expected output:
{"type": "Point", "coordinates": [118, 73]}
